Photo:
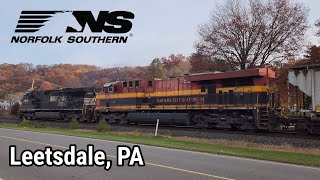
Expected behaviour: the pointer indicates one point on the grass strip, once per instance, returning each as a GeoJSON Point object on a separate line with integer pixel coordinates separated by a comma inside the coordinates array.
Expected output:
{"type": "Point", "coordinates": [192, 145]}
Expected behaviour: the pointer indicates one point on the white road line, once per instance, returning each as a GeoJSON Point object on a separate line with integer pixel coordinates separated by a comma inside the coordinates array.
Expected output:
{"type": "Point", "coordinates": [152, 164]}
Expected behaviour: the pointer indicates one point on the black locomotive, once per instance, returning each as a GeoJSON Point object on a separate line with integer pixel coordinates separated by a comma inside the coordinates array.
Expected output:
{"type": "Point", "coordinates": [63, 104]}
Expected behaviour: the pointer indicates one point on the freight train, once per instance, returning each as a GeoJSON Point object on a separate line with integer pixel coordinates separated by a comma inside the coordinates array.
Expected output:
{"type": "Point", "coordinates": [241, 100]}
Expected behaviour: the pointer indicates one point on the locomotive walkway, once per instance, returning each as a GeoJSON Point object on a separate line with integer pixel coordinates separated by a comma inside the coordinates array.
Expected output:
{"type": "Point", "coordinates": [161, 163]}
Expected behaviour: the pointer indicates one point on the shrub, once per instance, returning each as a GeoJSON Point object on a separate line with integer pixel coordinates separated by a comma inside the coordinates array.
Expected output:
{"type": "Point", "coordinates": [26, 123]}
{"type": "Point", "coordinates": [39, 125]}
{"type": "Point", "coordinates": [103, 127]}
{"type": "Point", "coordinates": [74, 124]}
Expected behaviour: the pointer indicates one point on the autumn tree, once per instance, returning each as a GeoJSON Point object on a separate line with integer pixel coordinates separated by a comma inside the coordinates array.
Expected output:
{"type": "Point", "coordinates": [100, 82]}
{"type": "Point", "coordinates": [253, 33]}
{"type": "Point", "coordinates": [312, 55]}
{"type": "Point", "coordinates": [172, 60]}
{"type": "Point", "coordinates": [204, 63]}
{"type": "Point", "coordinates": [3, 94]}
{"type": "Point", "coordinates": [156, 69]}
{"type": "Point", "coordinates": [120, 74]}
{"type": "Point", "coordinates": [176, 65]}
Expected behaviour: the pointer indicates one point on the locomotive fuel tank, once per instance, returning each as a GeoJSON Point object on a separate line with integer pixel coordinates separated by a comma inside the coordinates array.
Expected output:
{"type": "Point", "coordinates": [177, 119]}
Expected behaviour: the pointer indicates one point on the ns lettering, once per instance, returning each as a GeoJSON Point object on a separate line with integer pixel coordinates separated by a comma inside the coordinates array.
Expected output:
{"type": "Point", "coordinates": [110, 22]}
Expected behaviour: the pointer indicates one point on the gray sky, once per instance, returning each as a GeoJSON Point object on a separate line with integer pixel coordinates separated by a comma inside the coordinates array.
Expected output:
{"type": "Point", "coordinates": [160, 28]}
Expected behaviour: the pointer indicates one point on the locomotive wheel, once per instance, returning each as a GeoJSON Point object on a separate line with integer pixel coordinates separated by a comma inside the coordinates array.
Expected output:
{"type": "Point", "coordinates": [122, 121]}
{"type": "Point", "coordinates": [107, 119]}
{"type": "Point", "coordinates": [235, 127]}
{"type": "Point", "coordinates": [199, 121]}
{"type": "Point", "coordinates": [202, 125]}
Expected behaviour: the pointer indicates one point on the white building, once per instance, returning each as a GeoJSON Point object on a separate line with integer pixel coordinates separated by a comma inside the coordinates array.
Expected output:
{"type": "Point", "coordinates": [4, 104]}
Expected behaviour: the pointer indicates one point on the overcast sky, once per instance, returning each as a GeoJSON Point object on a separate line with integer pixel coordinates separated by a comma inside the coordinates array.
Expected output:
{"type": "Point", "coordinates": [160, 28]}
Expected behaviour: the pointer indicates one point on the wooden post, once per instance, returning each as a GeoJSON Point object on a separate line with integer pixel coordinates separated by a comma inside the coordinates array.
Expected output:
{"type": "Point", "coordinates": [157, 125]}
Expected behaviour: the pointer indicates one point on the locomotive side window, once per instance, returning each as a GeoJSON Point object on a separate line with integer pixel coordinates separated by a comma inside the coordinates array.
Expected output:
{"type": "Point", "coordinates": [105, 89]}
{"type": "Point", "coordinates": [124, 84]}
{"type": "Point", "coordinates": [130, 84]}
{"type": "Point", "coordinates": [136, 83]}
{"type": "Point", "coordinates": [115, 88]}
{"type": "Point", "coordinates": [149, 83]}
{"type": "Point", "coordinates": [203, 89]}
{"type": "Point", "coordinates": [110, 89]}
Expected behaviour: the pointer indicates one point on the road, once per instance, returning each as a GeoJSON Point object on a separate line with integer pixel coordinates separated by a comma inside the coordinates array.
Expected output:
{"type": "Point", "coordinates": [161, 163]}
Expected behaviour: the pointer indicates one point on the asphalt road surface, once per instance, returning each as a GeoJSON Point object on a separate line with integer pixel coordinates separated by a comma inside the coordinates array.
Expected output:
{"type": "Point", "coordinates": [161, 163]}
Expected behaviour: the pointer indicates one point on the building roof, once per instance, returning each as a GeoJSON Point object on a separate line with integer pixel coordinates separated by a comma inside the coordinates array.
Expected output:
{"type": "Point", "coordinates": [311, 66]}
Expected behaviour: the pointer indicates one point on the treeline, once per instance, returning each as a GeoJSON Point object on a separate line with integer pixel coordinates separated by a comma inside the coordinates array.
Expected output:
{"type": "Point", "coordinates": [19, 77]}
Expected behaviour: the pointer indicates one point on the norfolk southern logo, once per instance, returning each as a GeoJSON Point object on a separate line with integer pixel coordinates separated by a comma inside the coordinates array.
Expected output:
{"type": "Point", "coordinates": [107, 27]}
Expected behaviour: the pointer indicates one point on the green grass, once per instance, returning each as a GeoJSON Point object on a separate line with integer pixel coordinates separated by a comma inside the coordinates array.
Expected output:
{"type": "Point", "coordinates": [170, 142]}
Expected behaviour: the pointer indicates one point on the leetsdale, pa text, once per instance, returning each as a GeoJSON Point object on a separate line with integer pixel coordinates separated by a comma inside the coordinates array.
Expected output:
{"type": "Point", "coordinates": [76, 157]}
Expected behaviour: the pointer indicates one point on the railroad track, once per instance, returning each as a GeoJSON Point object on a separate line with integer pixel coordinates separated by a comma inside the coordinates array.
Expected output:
{"type": "Point", "coordinates": [150, 128]}
{"type": "Point", "coordinates": [299, 134]}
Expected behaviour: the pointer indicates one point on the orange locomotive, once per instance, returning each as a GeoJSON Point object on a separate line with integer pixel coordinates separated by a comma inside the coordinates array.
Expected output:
{"type": "Point", "coordinates": [228, 100]}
